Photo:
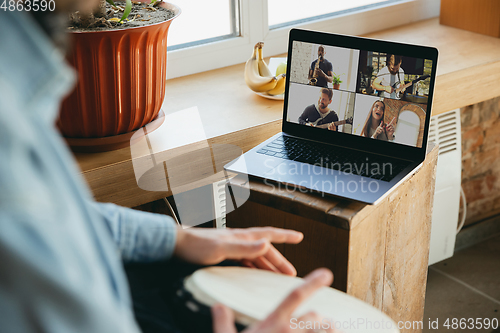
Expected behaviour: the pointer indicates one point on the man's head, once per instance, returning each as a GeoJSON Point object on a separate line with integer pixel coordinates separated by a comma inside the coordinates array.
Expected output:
{"type": "Point", "coordinates": [394, 63]}
{"type": "Point", "coordinates": [321, 52]}
{"type": "Point", "coordinates": [325, 98]}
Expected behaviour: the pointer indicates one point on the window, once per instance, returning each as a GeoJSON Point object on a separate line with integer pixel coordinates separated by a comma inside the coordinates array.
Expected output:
{"type": "Point", "coordinates": [203, 22]}
{"type": "Point", "coordinates": [288, 12]}
{"type": "Point", "coordinates": [219, 33]}
{"type": "Point", "coordinates": [408, 128]}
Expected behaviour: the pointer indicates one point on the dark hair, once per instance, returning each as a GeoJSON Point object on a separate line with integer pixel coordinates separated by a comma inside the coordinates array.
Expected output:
{"type": "Point", "coordinates": [365, 132]}
{"type": "Point", "coordinates": [328, 92]}
{"type": "Point", "coordinates": [397, 59]}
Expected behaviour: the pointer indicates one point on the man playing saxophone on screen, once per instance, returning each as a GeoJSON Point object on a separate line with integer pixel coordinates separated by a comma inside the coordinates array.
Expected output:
{"type": "Point", "coordinates": [321, 71]}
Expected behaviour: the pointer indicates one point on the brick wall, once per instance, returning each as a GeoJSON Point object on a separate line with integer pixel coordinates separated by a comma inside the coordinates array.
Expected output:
{"type": "Point", "coordinates": [480, 159]}
{"type": "Point", "coordinates": [301, 62]}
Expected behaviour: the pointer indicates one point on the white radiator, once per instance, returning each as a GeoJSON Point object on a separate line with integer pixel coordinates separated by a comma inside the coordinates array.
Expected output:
{"type": "Point", "coordinates": [219, 192]}
{"type": "Point", "coordinates": [445, 129]}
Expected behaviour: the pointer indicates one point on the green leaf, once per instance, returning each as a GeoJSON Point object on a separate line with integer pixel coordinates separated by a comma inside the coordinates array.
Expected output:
{"type": "Point", "coordinates": [126, 12]}
{"type": "Point", "coordinates": [111, 2]}
{"type": "Point", "coordinates": [152, 2]}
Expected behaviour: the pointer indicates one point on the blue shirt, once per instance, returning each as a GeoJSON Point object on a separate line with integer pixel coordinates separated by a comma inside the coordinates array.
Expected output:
{"type": "Point", "coordinates": [60, 252]}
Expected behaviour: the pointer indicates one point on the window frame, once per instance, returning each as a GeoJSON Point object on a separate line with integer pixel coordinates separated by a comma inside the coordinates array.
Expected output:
{"type": "Point", "coordinates": [254, 28]}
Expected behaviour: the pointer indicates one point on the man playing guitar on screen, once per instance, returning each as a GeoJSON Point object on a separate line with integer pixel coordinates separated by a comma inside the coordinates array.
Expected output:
{"type": "Point", "coordinates": [320, 115]}
{"type": "Point", "coordinates": [390, 79]}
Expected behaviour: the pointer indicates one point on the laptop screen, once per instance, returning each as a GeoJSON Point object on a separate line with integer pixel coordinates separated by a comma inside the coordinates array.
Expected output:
{"type": "Point", "coordinates": [372, 94]}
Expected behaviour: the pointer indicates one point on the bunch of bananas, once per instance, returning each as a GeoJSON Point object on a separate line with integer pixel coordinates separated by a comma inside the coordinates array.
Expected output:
{"type": "Point", "coordinates": [258, 76]}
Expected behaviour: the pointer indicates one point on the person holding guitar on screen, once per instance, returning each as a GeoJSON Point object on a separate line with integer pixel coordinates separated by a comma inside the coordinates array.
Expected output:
{"type": "Point", "coordinates": [375, 127]}
{"type": "Point", "coordinates": [320, 114]}
{"type": "Point", "coordinates": [390, 79]}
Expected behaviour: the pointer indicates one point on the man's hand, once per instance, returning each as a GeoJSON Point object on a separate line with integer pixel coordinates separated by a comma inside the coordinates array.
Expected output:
{"type": "Point", "coordinates": [251, 246]}
{"type": "Point", "coordinates": [319, 72]}
{"type": "Point", "coordinates": [280, 319]}
{"type": "Point", "coordinates": [389, 89]}
{"type": "Point", "coordinates": [332, 127]}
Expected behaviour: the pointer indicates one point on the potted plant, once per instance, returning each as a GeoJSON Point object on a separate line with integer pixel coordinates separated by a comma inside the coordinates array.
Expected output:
{"type": "Point", "coordinates": [120, 56]}
{"type": "Point", "coordinates": [336, 81]}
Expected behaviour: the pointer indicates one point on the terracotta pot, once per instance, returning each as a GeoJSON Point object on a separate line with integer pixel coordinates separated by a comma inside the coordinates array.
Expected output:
{"type": "Point", "coordinates": [336, 86]}
{"type": "Point", "coordinates": [121, 80]}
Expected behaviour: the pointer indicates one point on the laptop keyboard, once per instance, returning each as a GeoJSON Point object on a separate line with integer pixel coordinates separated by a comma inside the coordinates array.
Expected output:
{"type": "Point", "coordinates": [335, 158]}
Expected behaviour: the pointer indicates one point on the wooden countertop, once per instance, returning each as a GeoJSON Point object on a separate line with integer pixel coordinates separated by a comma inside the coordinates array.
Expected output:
{"type": "Point", "coordinates": [230, 113]}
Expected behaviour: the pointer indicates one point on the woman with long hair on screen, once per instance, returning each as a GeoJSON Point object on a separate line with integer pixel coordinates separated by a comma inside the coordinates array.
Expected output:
{"type": "Point", "coordinates": [375, 127]}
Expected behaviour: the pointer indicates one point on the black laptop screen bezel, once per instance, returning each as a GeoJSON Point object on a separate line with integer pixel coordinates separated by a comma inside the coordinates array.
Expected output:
{"type": "Point", "coordinates": [353, 141]}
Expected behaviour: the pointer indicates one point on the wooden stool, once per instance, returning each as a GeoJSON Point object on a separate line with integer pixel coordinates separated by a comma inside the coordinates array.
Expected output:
{"type": "Point", "coordinates": [378, 253]}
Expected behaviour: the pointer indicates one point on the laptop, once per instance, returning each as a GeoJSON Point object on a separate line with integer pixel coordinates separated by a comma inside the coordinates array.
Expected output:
{"type": "Point", "coordinates": [356, 117]}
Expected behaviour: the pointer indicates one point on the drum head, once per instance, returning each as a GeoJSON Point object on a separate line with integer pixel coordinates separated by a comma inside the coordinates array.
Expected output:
{"type": "Point", "coordinates": [253, 294]}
